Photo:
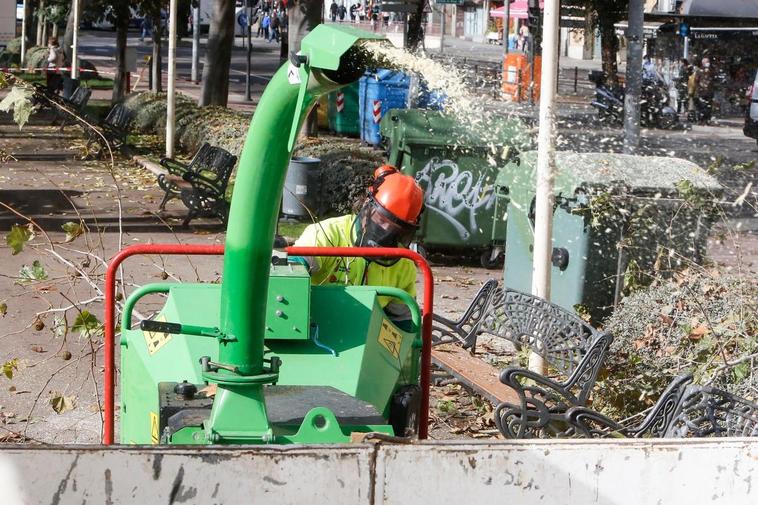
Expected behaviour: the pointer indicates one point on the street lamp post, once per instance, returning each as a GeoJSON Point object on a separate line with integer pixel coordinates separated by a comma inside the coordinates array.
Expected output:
{"type": "Point", "coordinates": [248, 83]}
{"type": "Point", "coordinates": [634, 35]}
{"type": "Point", "coordinates": [543, 223]}
{"type": "Point", "coordinates": [75, 43]}
{"type": "Point", "coordinates": [506, 25]}
{"type": "Point", "coordinates": [171, 98]}
{"type": "Point", "coordinates": [23, 33]}
{"type": "Point", "coordinates": [442, 29]}
{"type": "Point", "coordinates": [195, 44]}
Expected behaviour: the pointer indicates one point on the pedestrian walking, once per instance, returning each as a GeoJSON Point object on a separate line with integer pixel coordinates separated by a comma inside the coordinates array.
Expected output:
{"type": "Point", "coordinates": [55, 61]}
{"type": "Point", "coordinates": [266, 25]}
{"type": "Point", "coordinates": [374, 14]}
{"type": "Point", "coordinates": [333, 11]}
{"type": "Point", "coordinates": [523, 38]}
{"type": "Point", "coordinates": [353, 11]}
{"type": "Point", "coordinates": [146, 31]}
{"type": "Point", "coordinates": [704, 91]}
{"type": "Point", "coordinates": [682, 79]}
{"type": "Point", "coordinates": [275, 27]}
{"type": "Point", "coordinates": [342, 12]}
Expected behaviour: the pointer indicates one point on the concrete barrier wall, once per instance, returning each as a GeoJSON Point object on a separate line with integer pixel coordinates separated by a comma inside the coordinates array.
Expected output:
{"type": "Point", "coordinates": [569, 472]}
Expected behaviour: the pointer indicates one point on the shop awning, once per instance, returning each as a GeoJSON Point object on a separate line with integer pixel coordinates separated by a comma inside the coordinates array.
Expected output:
{"type": "Point", "coordinates": [519, 10]}
{"type": "Point", "coordinates": [721, 9]}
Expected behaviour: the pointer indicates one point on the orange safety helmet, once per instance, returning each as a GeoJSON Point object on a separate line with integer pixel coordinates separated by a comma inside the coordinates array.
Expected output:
{"type": "Point", "coordinates": [398, 193]}
{"type": "Point", "coordinates": [390, 215]}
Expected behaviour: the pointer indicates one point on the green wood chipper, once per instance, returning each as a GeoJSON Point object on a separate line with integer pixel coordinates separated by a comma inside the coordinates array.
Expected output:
{"type": "Point", "coordinates": [264, 357]}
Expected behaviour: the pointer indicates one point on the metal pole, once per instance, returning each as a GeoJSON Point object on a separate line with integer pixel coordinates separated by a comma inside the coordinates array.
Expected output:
{"type": "Point", "coordinates": [634, 37]}
{"type": "Point", "coordinates": [23, 34]}
{"type": "Point", "coordinates": [248, 83]}
{"type": "Point", "coordinates": [485, 23]}
{"type": "Point", "coordinates": [195, 44]}
{"type": "Point", "coordinates": [75, 43]}
{"type": "Point", "coordinates": [543, 223]}
{"type": "Point", "coordinates": [405, 31]}
{"type": "Point", "coordinates": [442, 32]}
{"type": "Point", "coordinates": [686, 47]}
{"type": "Point", "coordinates": [170, 99]}
{"type": "Point", "coordinates": [506, 26]}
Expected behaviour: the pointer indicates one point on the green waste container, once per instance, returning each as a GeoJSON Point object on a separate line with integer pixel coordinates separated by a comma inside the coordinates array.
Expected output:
{"type": "Point", "coordinates": [343, 111]}
{"type": "Point", "coordinates": [457, 167]}
{"type": "Point", "coordinates": [615, 216]}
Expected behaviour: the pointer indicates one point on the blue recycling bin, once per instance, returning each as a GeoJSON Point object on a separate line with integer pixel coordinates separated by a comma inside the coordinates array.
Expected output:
{"type": "Point", "coordinates": [430, 99]}
{"type": "Point", "coordinates": [379, 91]}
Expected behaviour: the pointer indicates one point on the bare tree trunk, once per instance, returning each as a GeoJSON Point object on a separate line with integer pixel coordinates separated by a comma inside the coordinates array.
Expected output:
{"type": "Point", "coordinates": [157, 61]}
{"type": "Point", "coordinates": [185, 10]}
{"type": "Point", "coordinates": [43, 41]}
{"type": "Point", "coordinates": [41, 25]}
{"type": "Point", "coordinates": [416, 28]}
{"type": "Point", "coordinates": [304, 16]}
{"type": "Point", "coordinates": [588, 49]}
{"type": "Point", "coordinates": [122, 28]}
{"type": "Point", "coordinates": [610, 46]}
{"type": "Point", "coordinates": [68, 35]}
{"type": "Point", "coordinates": [218, 55]}
{"type": "Point", "coordinates": [31, 23]}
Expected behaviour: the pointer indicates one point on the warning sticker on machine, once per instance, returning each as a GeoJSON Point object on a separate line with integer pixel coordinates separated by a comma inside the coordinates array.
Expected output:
{"type": "Point", "coordinates": [390, 338]}
{"type": "Point", "coordinates": [154, 428]}
{"type": "Point", "coordinates": [154, 339]}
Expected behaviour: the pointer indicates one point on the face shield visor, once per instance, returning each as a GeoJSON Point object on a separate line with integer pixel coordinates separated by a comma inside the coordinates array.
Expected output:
{"type": "Point", "coordinates": [377, 227]}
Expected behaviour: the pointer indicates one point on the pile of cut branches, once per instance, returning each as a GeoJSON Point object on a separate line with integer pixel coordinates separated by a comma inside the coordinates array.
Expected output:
{"type": "Point", "coordinates": [702, 321]}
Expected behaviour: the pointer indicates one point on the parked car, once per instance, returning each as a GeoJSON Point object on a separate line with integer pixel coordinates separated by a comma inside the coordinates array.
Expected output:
{"type": "Point", "coordinates": [751, 111]}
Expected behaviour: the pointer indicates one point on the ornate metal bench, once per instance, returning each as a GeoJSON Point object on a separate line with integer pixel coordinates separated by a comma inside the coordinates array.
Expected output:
{"type": "Point", "coordinates": [574, 351]}
{"type": "Point", "coordinates": [115, 129]}
{"type": "Point", "coordinates": [587, 423]}
{"type": "Point", "coordinates": [684, 410]}
{"type": "Point", "coordinates": [464, 330]}
{"type": "Point", "coordinates": [77, 102]}
{"type": "Point", "coordinates": [710, 412]}
{"type": "Point", "coordinates": [201, 184]}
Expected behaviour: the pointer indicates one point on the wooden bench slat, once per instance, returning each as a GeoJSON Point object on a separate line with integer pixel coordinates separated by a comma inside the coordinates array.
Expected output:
{"type": "Point", "coordinates": [474, 373]}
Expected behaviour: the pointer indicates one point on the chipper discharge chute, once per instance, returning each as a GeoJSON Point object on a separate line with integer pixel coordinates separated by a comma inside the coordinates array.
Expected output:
{"type": "Point", "coordinates": [264, 357]}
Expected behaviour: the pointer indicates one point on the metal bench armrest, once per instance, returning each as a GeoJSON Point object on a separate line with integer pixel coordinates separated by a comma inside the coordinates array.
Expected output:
{"type": "Point", "coordinates": [174, 167]}
{"type": "Point", "coordinates": [588, 423]}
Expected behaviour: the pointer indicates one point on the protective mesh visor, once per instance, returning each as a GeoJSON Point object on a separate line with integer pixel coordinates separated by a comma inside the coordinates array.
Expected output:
{"type": "Point", "coordinates": [380, 228]}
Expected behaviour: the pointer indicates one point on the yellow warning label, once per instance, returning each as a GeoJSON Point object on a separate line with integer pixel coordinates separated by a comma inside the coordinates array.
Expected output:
{"type": "Point", "coordinates": [390, 338]}
{"type": "Point", "coordinates": [154, 428]}
{"type": "Point", "coordinates": [155, 340]}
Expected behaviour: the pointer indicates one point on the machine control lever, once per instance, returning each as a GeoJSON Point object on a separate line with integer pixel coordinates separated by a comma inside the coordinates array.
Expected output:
{"type": "Point", "coordinates": [184, 329]}
{"type": "Point", "coordinates": [160, 326]}
{"type": "Point", "coordinates": [206, 365]}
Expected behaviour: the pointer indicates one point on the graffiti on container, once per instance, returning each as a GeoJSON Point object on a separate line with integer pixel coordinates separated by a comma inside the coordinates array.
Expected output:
{"type": "Point", "coordinates": [456, 195]}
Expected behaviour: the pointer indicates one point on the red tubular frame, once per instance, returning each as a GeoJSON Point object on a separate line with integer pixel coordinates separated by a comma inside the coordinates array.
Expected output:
{"type": "Point", "coordinates": [207, 250]}
{"type": "Point", "coordinates": [110, 305]}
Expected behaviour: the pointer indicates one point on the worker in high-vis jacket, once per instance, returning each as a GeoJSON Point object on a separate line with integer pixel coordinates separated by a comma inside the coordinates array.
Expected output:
{"type": "Point", "coordinates": [389, 217]}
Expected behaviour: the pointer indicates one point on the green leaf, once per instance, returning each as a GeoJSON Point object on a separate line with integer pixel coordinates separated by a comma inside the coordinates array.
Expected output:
{"type": "Point", "coordinates": [3, 309]}
{"type": "Point", "coordinates": [17, 237]}
{"type": "Point", "coordinates": [87, 324]}
{"type": "Point", "coordinates": [59, 327]}
{"type": "Point", "coordinates": [9, 367]}
{"type": "Point", "coordinates": [741, 371]}
{"type": "Point", "coordinates": [36, 272]}
{"type": "Point", "coordinates": [19, 99]}
{"type": "Point", "coordinates": [61, 403]}
{"type": "Point", "coordinates": [72, 230]}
